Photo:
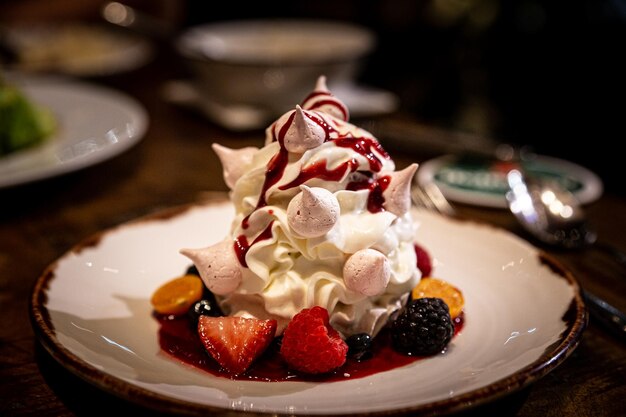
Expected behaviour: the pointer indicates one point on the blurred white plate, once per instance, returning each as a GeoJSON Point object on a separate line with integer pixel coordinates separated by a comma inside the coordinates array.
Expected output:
{"type": "Point", "coordinates": [77, 49]}
{"type": "Point", "coordinates": [524, 315]}
{"type": "Point", "coordinates": [94, 124]}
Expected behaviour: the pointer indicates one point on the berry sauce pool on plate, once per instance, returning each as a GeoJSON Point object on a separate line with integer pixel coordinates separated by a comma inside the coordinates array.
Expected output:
{"type": "Point", "coordinates": [178, 338]}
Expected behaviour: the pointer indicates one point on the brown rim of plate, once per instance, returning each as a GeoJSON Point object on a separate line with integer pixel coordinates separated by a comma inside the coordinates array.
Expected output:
{"type": "Point", "coordinates": [575, 318]}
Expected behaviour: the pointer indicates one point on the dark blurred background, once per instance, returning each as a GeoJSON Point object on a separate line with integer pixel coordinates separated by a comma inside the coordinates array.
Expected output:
{"type": "Point", "coordinates": [549, 74]}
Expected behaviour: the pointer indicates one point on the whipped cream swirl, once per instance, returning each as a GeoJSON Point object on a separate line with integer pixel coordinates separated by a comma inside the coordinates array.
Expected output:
{"type": "Point", "coordinates": [321, 219]}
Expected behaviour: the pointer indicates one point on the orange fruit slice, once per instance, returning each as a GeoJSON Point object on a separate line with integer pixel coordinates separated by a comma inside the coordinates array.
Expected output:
{"type": "Point", "coordinates": [178, 295]}
{"type": "Point", "coordinates": [437, 288]}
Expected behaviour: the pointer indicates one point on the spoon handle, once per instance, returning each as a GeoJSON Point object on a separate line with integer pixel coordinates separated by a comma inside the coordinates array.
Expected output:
{"type": "Point", "coordinates": [607, 315]}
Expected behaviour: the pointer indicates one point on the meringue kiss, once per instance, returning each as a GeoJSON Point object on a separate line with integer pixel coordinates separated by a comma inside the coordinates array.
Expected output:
{"type": "Point", "coordinates": [398, 194]}
{"type": "Point", "coordinates": [303, 133]}
{"type": "Point", "coordinates": [367, 272]}
{"type": "Point", "coordinates": [313, 212]}
{"type": "Point", "coordinates": [218, 266]}
{"type": "Point", "coordinates": [234, 161]}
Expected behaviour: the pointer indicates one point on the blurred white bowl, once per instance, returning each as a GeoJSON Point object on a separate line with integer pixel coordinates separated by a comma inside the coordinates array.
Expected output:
{"type": "Point", "coordinates": [272, 63]}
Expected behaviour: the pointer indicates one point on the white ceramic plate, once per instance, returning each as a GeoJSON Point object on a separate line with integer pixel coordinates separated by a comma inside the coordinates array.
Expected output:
{"type": "Point", "coordinates": [94, 124]}
{"type": "Point", "coordinates": [77, 49]}
{"type": "Point", "coordinates": [483, 183]}
{"type": "Point", "coordinates": [91, 310]}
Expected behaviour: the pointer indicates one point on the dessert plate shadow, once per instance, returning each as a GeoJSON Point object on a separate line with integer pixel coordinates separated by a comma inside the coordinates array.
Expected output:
{"type": "Point", "coordinates": [524, 316]}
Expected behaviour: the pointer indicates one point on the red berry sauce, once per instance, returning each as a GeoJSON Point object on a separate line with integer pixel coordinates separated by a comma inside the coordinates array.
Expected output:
{"type": "Point", "coordinates": [179, 338]}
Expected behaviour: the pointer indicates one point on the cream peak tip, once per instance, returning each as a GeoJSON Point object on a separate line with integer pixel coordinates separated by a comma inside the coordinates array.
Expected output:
{"type": "Point", "coordinates": [308, 195]}
{"type": "Point", "coordinates": [317, 195]}
{"type": "Point", "coordinates": [398, 195]}
{"type": "Point", "coordinates": [300, 120]}
{"type": "Point", "coordinates": [303, 133]}
{"type": "Point", "coordinates": [407, 173]}
{"type": "Point", "coordinates": [303, 127]}
{"type": "Point", "coordinates": [218, 266]}
{"type": "Point", "coordinates": [321, 84]}
{"type": "Point", "coordinates": [221, 150]}
{"type": "Point", "coordinates": [233, 161]}
{"type": "Point", "coordinates": [404, 177]}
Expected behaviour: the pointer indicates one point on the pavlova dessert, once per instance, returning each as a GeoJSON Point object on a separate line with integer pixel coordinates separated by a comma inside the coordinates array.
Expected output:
{"type": "Point", "coordinates": [321, 256]}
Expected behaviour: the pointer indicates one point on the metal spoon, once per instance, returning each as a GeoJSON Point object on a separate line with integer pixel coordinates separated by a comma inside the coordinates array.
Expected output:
{"type": "Point", "coordinates": [548, 211]}
{"type": "Point", "coordinates": [554, 216]}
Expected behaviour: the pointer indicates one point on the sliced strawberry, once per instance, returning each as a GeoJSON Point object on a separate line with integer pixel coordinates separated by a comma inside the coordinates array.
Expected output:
{"type": "Point", "coordinates": [235, 342]}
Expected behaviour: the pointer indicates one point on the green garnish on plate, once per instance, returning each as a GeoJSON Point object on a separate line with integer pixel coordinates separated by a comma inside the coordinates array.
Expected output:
{"type": "Point", "coordinates": [22, 122]}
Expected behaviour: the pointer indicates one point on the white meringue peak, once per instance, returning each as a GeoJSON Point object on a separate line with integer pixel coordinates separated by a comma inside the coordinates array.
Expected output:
{"type": "Point", "coordinates": [235, 162]}
{"type": "Point", "coordinates": [313, 212]}
{"type": "Point", "coordinates": [367, 272]}
{"type": "Point", "coordinates": [398, 194]}
{"type": "Point", "coordinates": [320, 84]}
{"type": "Point", "coordinates": [218, 266]}
{"type": "Point", "coordinates": [303, 133]}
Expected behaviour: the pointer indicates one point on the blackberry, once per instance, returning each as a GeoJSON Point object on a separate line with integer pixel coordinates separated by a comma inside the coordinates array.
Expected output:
{"type": "Point", "coordinates": [424, 327]}
{"type": "Point", "coordinates": [192, 270]}
{"type": "Point", "coordinates": [359, 346]}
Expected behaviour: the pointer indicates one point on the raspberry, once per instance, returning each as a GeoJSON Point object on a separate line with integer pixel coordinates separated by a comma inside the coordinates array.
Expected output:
{"type": "Point", "coordinates": [424, 262]}
{"type": "Point", "coordinates": [423, 328]}
{"type": "Point", "coordinates": [311, 345]}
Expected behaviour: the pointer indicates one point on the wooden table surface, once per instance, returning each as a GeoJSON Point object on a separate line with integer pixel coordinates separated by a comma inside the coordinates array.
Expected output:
{"type": "Point", "coordinates": [173, 165]}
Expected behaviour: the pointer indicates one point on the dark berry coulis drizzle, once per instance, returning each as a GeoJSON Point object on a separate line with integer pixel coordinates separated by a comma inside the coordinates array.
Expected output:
{"type": "Point", "coordinates": [319, 170]}
{"type": "Point", "coordinates": [321, 102]}
{"type": "Point", "coordinates": [363, 146]}
{"type": "Point", "coordinates": [275, 168]}
{"type": "Point", "coordinates": [321, 123]}
{"type": "Point", "coordinates": [367, 147]}
{"type": "Point", "coordinates": [242, 246]}
{"type": "Point", "coordinates": [376, 187]}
